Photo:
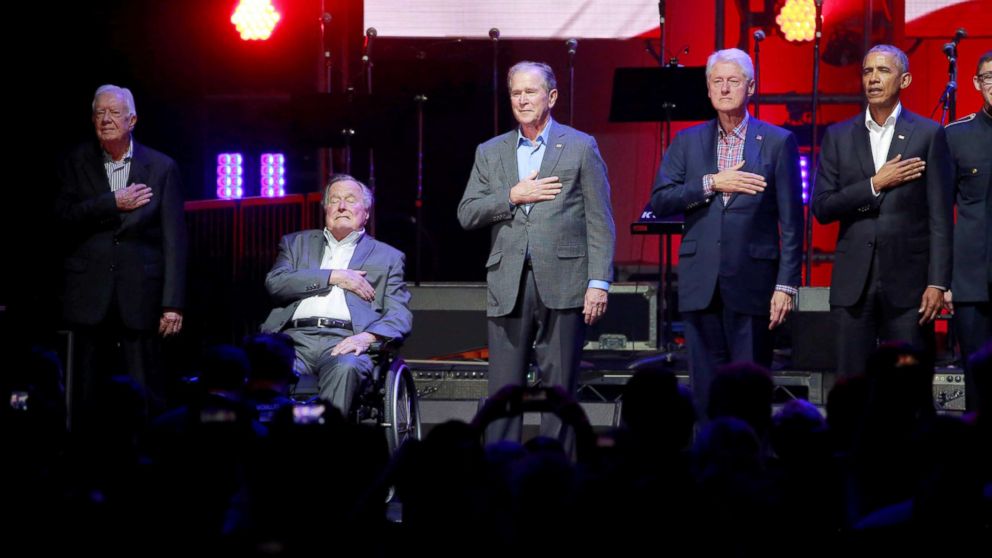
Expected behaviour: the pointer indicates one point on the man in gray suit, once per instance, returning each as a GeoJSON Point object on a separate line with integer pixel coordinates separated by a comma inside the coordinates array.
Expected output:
{"type": "Point", "coordinates": [339, 291]}
{"type": "Point", "coordinates": [543, 191]}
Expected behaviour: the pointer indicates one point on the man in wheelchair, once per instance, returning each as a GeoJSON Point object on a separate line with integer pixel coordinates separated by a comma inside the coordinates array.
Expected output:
{"type": "Point", "coordinates": [337, 291]}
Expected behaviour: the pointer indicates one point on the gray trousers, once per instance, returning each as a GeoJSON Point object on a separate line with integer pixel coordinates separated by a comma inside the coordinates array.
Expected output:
{"type": "Point", "coordinates": [340, 378]}
{"type": "Point", "coordinates": [556, 336]}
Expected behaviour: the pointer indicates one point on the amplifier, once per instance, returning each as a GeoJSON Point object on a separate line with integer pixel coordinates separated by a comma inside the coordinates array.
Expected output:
{"type": "Point", "coordinates": [446, 379]}
{"type": "Point", "coordinates": [948, 390]}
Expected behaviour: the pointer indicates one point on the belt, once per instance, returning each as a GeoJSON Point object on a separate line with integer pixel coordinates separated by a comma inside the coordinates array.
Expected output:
{"type": "Point", "coordinates": [318, 322]}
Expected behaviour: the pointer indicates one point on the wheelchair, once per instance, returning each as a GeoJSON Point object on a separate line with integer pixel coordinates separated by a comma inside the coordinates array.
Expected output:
{"type": "Point", "coordinates": [389, 401]}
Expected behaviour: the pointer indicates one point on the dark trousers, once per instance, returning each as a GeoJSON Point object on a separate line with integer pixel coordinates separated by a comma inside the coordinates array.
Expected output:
{"type": "Point", "coordinates": [556, 336]}
{"type": "Point", "coordinates": [973, 327]}
{"type": "Point", "coordinates": [110, 349]}
{"type": "Point", "coordinates": [873, 319]}
{"type": "Point", "coordinates": [716, 336]}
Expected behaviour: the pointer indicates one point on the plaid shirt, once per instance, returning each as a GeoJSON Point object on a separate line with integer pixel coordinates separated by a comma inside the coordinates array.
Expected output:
{"type": "Point", "coordinates": [729, 152]}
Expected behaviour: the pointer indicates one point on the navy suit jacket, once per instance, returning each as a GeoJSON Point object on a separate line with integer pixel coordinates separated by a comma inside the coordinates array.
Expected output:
{"type": "Point", "coordinates": [139, 256]}
{"type": "Point", "coordinates": [751, 243]}
{"type": "Point", "coordinates": [910, 226]}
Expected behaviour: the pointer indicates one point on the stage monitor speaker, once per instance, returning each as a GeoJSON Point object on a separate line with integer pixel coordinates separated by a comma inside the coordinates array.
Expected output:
{"type": "Point", "coordinates": [448, 319]}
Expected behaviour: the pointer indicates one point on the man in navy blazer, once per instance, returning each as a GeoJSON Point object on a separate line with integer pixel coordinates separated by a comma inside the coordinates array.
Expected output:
{"type": "Point", "coordinates": [121, 209]}
{"type": "Point", "coordinates": [338, 290]}
{"type": "Point", "coordinates": [737, 180]}
{"type": "Point", "coordinates": [885, 176]}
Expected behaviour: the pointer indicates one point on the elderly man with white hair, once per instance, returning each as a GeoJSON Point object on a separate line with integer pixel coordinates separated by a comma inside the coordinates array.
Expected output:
{"type": "Point", "coordinates": [124, 238]}
{"type": "Point", "coordinates": [737, 181]}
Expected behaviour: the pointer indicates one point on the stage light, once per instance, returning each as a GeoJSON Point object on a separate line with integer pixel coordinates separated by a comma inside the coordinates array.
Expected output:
{"type": "Point", "coordinates": [797, 20]}
{"type": "Point", "coordinates": [230, 176]}
{"type": "Point", "coordinates": [273, 175]}
{"type": "Point", "coordinates": [804, 173]}
{"type": "Point", "coordinates": [255, 19]}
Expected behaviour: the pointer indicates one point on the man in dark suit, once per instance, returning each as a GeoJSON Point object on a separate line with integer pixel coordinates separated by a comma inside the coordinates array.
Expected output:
{"type": "Point", "coordinates": [543, 191]}
{"type": "Point", "coordinates": [970, 142]}
{"type": "Point", "coordinates": [121, 205]}
{"type": "Point", "coordinates": [737, 181]}
{"type": "Point", "coordinates": [885, 176]}
{"type": "Point", "coordinates": [339, 290]}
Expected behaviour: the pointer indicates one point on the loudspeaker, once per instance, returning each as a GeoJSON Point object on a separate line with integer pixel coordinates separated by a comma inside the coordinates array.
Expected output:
{"type": "Point", "coordinates": [949, 390]}
{"type": "Point", "coordinates": [448, 318]}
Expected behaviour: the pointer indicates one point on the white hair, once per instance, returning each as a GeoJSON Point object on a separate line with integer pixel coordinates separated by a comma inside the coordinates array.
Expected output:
{"type": "Point", "coordinates": [734, 55]}
{"type": "Point", "coordinates": [367, 197]}
{"type": "Point", "coordinates": [122, 92]}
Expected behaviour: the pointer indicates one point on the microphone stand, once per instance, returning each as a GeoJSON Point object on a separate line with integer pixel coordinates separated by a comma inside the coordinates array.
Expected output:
{"type": "Point", "coordinates": [572, 45]}
{"type": "Point", "coordinates": [758, 37]}
{"type": "Point", "coordinates": [370, 35]}
{"type": "Point", "coordinates": [815, 100]}
{"type": "Point", "coordinates": [949, 97]}
{"type": "Point", "coordinates": [419, 203]}
{"type": "Point", "coordinates": [494, 35]}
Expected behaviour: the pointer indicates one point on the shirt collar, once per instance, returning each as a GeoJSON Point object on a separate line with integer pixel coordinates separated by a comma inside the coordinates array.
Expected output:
{"type": "Point", "coordinates": [890, 121]}
{"type": "Point", "coordinates": [349, 240]}
{"type": "Point", "coordinates": [541, 138]}
{"type": "Point", "coordinates": [738, 131]}
{"type": "Point", "coordinates": [127, 155]}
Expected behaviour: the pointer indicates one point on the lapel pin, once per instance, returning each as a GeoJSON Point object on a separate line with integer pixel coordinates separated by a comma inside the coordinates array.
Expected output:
{"type": "Point", "coordinates": [757, 138]}
{"type": "Point", "coordinates": [559, 145]}
{"type": "Point", "coordinates": [902, 136]}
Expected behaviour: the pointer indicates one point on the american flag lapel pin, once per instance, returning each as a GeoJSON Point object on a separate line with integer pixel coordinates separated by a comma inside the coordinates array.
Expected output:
{"type": "Point", "coordinates": [902, 136]}
{"type": "Point", "coordinates": [559, 145]}
{"type": "Point", "coordinates": [757, 137]}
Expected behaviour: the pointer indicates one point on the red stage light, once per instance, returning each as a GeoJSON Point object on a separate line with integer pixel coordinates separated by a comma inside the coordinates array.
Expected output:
{"type": "Point", "coordinates": [255, 19]}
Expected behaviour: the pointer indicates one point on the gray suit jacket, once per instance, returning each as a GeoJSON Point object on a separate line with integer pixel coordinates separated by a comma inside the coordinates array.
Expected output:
{"type": "Point", "coordinates": [570, 239]}
{"type": "Point", "coordinates": [297, 275]}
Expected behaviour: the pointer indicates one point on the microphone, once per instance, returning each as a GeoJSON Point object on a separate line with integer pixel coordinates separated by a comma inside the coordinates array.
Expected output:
{"type": "Point", "coordinates": [949, 49]}
{"type": "Point", "coordinates": [494, 34]}
{"type": "Point", "coordinates": [959, 34]}
{"type": "Point", "coordinates": [572, 45]}
{"type": "Point", "coordinates": [759, 36]}
{"type": "Point", "coordinates": [370, 35]}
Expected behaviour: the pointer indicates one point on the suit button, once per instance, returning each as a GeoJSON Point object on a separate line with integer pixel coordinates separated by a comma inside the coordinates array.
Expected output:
{"type": "Point", "coordinates": [869, 244]}
{"type": "Point", "coordinates": [113, 267]}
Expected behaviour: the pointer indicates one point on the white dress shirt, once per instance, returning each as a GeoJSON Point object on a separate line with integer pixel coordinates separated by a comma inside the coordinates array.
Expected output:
{"type": "Point", "coordinates": [881, 138]}
{"type": "Point", "coordinates": [337, 255]}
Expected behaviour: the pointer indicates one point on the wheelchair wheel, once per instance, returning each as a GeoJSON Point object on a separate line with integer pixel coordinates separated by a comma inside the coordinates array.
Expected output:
{"type": "Point", "coordinates": [401, 412]}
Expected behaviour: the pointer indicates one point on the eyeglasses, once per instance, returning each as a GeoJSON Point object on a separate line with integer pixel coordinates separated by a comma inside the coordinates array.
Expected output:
{"type": "Point", "coordinates": [985, 79]}
{"type": "Point", "coordinates": [733, 83]}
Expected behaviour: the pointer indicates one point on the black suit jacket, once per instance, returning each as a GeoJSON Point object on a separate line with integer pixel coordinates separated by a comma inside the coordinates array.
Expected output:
{"type": "Point", "coordinates": [970, 142]}
{"type": "Point", "coordinates": [139, 257]}
{"type": "Point", "coordinates": [910, 226]}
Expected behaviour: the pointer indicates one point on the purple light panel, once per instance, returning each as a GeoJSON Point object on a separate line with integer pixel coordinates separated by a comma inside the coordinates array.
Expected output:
{"type": "Point", "coordinates": [273, 175]}
{"type": "Point", "coordinates": [230, 176]}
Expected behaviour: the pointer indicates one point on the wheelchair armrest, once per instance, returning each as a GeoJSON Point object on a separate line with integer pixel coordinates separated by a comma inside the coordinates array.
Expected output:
{"type": "Point", "coordinates": [384, 348]}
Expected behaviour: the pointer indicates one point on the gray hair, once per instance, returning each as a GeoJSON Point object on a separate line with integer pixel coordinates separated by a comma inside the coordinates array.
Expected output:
{"type": "Point", "coordinates": [367, 197]}
{"type": "Point", "coordinates": [122, 92]}
{"type": "Point", "coordinates": [901, 59]}
{"type": "Point", "coordinates": [734, 55]}
{"type": "Point", "coordinates": [547, 74]}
